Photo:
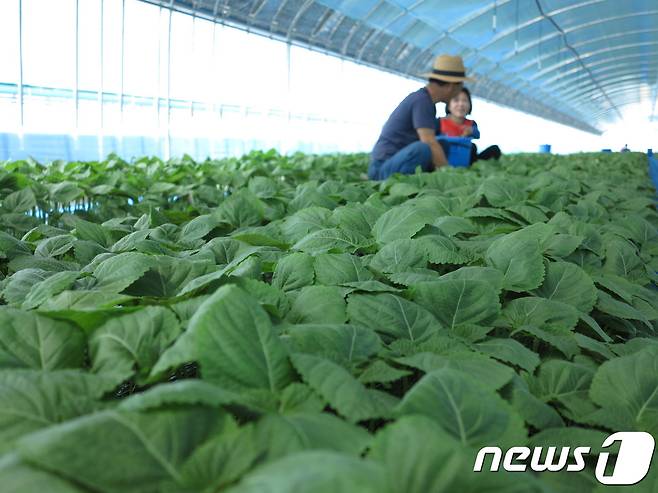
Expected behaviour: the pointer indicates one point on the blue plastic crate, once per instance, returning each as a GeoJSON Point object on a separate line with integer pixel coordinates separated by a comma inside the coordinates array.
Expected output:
{"type": "Point", "coordinates": [457, 149]}
{"type": "Point", "coordinates": [653, 170]}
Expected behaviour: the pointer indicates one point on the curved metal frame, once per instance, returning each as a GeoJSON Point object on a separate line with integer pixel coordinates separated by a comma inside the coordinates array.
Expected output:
{"type": "Point", "coordinates": [542, 89]}
{"type": "Point", "coordinates": [621, 95]}
{"type": "Point", "coordinates": [565, 79]}
{"type": "Point", "coordinates": [322, 21]}
{"type": "Point", "coordinates": [359, 25]}
{"type": "Point", "coordinates": [563, 49]}
{"type": "Point", "coordinates": [534, 20]}
{"type": "Point", "coordinates": [533, 44]}
{"type": "Point", "coordinates": [626, 101]}
{"type": "Point", "coordinates": [598, 63]}
{"type": "Point", "coordinates": [588, 93]}
{"type": "Point", "coordinates": [306, 5]}
{"type": "Point", "coordinates": [609, 74]}
{"type": "Point", "coordinates": [565, 63]}
{"type": "Point", "coordinates": [338, 24]}
{"type": "Point", "coordinates": [604, 71]}
{"type": "Point", "coordinates": [622, 92]}
{"type": "Point", "coordinates": [614, 35]}
{"type": "Point", "coordinates": [383, 29]}
{"type": "Point", "coordinates": [573, 29]}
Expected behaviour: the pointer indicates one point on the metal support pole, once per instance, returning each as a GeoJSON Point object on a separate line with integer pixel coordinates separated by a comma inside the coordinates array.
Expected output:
{"type": "Point", "coordinates": [21, 119]}
{"type": "Point", "coordinates": [192, 55]}
{"type": "Point", "coordinates": [101, 153]}
{"type": "Point", "coordinates": [76, 88]}
{"type": "Point", "coordinates": [288, 70]}
{"type": "Point", "coordinates": [122, 71]}
{"type": "Point", "coordinates": [215, 105]}
{"type": "Point", "coordinates": [158, 80]}
{"type": "Point", "coordinates": [168, 140]}
{"type": "Point", "coordinates": [287, 146]}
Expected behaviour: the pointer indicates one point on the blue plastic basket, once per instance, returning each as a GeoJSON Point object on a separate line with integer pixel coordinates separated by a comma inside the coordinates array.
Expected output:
{"type": "Point", "coordinates": [457, 149]}
{"type": "Point", "coordinates": [545, 148]}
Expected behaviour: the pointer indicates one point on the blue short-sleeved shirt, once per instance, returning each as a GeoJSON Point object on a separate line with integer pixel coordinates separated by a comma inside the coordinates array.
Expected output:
{"type": "Point", "coordinates": [415, 111]}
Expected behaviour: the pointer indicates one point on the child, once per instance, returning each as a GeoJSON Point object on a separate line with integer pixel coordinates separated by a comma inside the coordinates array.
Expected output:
{"type": "Point", "coordinates": [455, 124]}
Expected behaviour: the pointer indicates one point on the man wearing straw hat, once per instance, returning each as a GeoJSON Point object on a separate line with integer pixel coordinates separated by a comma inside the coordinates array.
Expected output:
{"type": "Point", "coordinates": [408, 138]}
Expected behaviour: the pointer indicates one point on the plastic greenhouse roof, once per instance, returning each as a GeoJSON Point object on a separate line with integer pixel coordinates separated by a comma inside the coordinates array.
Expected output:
{"type": "Point", "coordinates": [573, 62]}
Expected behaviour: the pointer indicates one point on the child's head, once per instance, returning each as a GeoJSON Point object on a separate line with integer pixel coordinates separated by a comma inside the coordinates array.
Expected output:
{"type": "Point", "coordinates": [461, 105]}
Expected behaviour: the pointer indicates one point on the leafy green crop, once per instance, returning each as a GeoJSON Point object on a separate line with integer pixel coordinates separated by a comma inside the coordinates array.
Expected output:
{"type": "Point", "coordinates": [281, 324]}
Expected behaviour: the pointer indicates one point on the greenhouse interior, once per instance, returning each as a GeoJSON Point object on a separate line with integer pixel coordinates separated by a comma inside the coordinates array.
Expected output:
{"type": "Point", "coordinates": [328, 246]}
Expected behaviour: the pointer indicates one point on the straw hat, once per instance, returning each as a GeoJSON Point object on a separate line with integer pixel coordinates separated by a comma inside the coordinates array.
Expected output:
{"type": "Point", "coordinates": [448, 68]}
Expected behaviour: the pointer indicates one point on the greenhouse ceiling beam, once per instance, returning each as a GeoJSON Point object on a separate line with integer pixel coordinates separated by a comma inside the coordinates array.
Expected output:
{"type": "Point", "coordinates": [322, 21]}
{"type": "Point", "coordinates": [531, 105]}
{"type": "Point", "coordinates": [492, 91]}
{"type": "Point", "coordinates": [626, 94]}
{"type": "Point", "coordinates": [178, 6]}
{"type": "Point", "coordinates": [576, 55]}
{"type": "Point", "coordinates": [475, 15]}
{"type": "Point", "coordinates": [273, 20]}
{"type": "Point", "coordinates": [622, 89]}
{"type": "Point", "coordinates": [604, 71]}
{"type": "Point", "coordinates": [612, 36]}
{"type": "Point", "coordinates": [627, 101]}
{"type": "Point", "coordinates": [423, 54]}
{"type": "Point", "coordinates": [343, 18]}
{"type": "Point", "coordinates": [588, 92]}
{"type": "Point", "coordinates": [359, 25]}
{"type": "Point", "coordinates": [626, 79]}
{"type": "Point", "coordinates": [224, 10]}
{"type": "Point", "coordinates": [523, 86]}
{"type": "Point", "coordinates": [256, 7]}
{"type": "Point", "coordinates": [579, 60]}
{"type": "Point", "coordinates": [561, 81]}
{"type": "Point", "coordinates": [293, 24]}
{"type": "Point", "coordinates": [583, 44]}
{"type": "Point", "coordinates": [383, 29]}
{"type": "Point", "coordinates": [577, 27]}
{"type": "Point", "coordinates": [604, 62]}
{"type": "Point", "coordinates": [573, 92]}
{"type": "Point", "coordinates": [547, 55]}
{"type": "Point", "coordinates": [490, 7]}
{"type": "Point", "coordinates": [513, 30]}
{"type": "Point", "coordinates": [625, 97]}
{"type": "Point", "coordinates": [518, 101]}
{"type": "Point", "coordinates": [384, 53]}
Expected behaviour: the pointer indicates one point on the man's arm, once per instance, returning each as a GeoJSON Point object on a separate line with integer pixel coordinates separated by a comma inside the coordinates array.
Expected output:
{"type": "Point", "coordinates": [428, 135]}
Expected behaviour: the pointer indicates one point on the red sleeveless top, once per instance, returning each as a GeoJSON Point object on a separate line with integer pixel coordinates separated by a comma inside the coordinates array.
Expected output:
{"type": "Point", "coordinates": [447, 126]}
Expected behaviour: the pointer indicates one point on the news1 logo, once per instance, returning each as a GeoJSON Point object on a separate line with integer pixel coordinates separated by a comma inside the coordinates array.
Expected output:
{"type": "Point", "coordinates": [633, 459]}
